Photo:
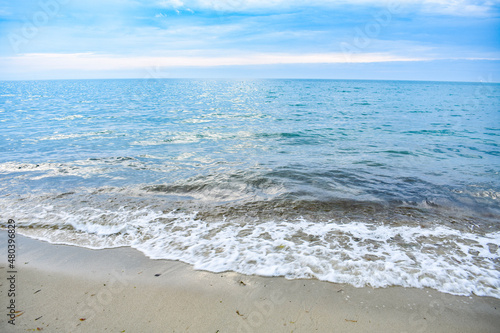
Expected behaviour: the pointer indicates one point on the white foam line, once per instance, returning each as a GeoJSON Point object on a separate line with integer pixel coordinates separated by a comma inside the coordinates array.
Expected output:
{"type": "Point", "coordinates": [356, 253]}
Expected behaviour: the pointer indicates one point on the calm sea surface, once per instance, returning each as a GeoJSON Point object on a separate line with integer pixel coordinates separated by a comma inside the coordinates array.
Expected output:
{"type": "Point", "coordinates": [365, 182]}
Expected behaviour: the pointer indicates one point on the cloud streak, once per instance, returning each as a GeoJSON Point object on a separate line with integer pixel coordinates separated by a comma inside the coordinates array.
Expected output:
{"type": "Point", "coordinates": [94, 62]}
{"type": "Point", "coordinates": [448, 7]}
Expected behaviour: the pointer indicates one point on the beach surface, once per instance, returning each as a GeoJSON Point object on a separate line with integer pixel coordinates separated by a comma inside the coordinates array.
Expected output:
{"type": "Point", "coordinates": [62, 288]}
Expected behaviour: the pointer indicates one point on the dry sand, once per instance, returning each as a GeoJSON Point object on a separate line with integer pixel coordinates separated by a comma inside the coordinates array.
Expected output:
{"type": "Point", "coordinates": [70, 289]}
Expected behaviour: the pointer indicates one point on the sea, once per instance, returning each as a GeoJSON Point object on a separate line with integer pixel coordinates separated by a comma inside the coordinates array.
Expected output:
{"type": "Point", "coordinates": [370, 183]}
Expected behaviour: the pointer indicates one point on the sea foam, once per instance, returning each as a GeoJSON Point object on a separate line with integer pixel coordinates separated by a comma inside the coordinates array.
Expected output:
{"type": "Point", "coordinates": [361, 254]}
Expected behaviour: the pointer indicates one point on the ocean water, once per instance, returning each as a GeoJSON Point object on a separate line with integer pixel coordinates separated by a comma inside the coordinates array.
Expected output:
{"type": "Point", "coordinates": [376, 183]}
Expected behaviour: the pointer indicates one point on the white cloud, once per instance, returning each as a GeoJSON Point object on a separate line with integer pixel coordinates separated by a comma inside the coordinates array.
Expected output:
{"type": "Point", "coordinates": [459, 7]}
{"type": "Point", "coordinates": [93, 62]}
{"type": "Point", "coordinates": [449, 7]}
{"type": "Point", "coordinates": [82, 62]}
{"type": "Point", "coordinates": [170, 3]}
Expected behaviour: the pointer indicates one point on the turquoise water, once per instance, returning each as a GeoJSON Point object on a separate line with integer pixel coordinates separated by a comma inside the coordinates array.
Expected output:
{"type": "Point", "coordinates": [321, 179]}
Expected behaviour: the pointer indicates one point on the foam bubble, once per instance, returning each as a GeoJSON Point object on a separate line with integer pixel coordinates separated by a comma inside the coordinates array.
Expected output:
{"type": "Point", "coordinates": [38, 171]}
{"type": "Point", "coordinates": [95, 135]}
{"type": "Point", "coordinates": [361, 254]}
{"type": "Point", "coordinates": [71, 117]}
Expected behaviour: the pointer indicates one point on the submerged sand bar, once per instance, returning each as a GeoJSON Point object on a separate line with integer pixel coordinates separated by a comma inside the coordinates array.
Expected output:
{"type": "Point", "coordinates": [70, 289]}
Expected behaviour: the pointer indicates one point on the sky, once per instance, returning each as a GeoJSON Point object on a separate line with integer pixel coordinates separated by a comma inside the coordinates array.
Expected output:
{"type": "Point", "coordinates": [437, 40]}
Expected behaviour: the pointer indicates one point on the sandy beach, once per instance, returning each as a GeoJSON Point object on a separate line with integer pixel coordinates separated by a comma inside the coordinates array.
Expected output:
{"type": "Point", "coordinates": [69, 289]}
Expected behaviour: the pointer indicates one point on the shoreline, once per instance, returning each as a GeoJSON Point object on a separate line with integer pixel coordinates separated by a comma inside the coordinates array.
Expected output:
{"type": "Point", "coordinates": [61, 288]}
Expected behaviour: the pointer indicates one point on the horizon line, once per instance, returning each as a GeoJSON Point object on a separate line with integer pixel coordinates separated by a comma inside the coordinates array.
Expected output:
{"type": "Point", "coordinates": [246, 79]}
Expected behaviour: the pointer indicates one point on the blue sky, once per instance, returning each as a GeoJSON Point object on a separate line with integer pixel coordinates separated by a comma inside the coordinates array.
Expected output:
{"type": "Point", "coordinates": [455, 40]}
